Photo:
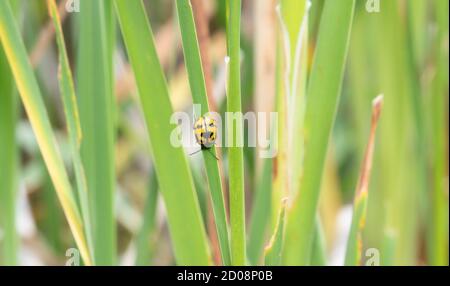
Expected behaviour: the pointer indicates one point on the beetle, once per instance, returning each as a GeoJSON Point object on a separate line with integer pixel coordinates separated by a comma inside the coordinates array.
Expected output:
{"type": "Point", "coordinates": [205, 131]}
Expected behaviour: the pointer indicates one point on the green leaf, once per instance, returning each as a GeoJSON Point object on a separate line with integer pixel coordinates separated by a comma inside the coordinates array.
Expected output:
{"type": "Point", "coordinates": [198, 89]}
{"type": "Point", "coordinates": [174, 176]}
{"type": "Point", "coordinates": [322, 99]}
{"type": "Point", "coordinates": [32, 100]}
{"type": "Point", "coordinates": [8, 159]}
{"type": "Point", "coordinates": [73, 121]}
{"type": "Point", "coordinates": [96, 103]}
{"type": "Point", "coordinates": [235, 134]}
{"type": "Point", "coordinates": [438, 242]}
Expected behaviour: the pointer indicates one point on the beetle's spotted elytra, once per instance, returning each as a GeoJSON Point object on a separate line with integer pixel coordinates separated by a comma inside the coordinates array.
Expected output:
{"type": "Point", "coordinates": [205, 130]}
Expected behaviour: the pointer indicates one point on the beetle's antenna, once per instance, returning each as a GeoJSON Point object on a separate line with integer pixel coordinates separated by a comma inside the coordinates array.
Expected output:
{"type": "Point", "coordinates": [195, 152]}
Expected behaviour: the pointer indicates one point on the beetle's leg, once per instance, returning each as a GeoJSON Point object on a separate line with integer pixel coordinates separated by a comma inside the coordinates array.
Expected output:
{"type": "Point", "coordinates": [210, 152]}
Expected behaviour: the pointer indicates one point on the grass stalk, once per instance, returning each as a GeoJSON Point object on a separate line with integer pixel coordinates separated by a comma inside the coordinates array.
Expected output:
{"type": "Point", "coordinates": [399, 157]}
{"type": "Point", "coordinates": [8, 167]}
{"type": "Point", "coordinates": [9, 157]}
{"type": "Point", "coordinates": [185, 223]}
{"type": "Point", "coordinates": [199, 95]}
{"type": "Point", "coordinates": [294, 24]}
{"type": "Point", "coordinates": [95, 98]}
{"type": "Point", "coordinates": [37, 114]}
{"type": "Point", "coordinates": [235, 133]}
{"type": "Point", "coordinates": [72, 118]}
{"type": "Point", "coordinates": [438, 244]}
{"type": "Point", "coordinates": [323, 95]}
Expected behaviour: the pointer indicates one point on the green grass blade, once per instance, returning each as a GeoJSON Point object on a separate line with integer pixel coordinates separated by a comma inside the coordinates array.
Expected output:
{"type": "Point", "coordinates": [398, 165]}
{"type": "Point", "coordinates": [388, 247]}
{"type": "Point", "coordinates": [362, 89]}
{"type": "Point", "coordinates": [273, 252]}
{"type": "Point", "coordinates": [280, 178]}
{"type": "Point", "coordinates": [8, 159]}
{"type": "Point", "coordinates": [438, 243]}
{"type": "Point", "coordinates": [318, 253]}
{"type": "Point", "coordinates": [72, 118]}
{"type": "Point", "coordinates": [198, 88]}
{"type": "Point", "coordinates": [174, 176]}
{"type": "Point", "coordinates": [260, 216]}
{"type": "Point", "coordinates": [294, 24]}
{"type": "Point", "coordinates": [144, 239]}
{"type": "Point", "coordinates": [95, 98]}
{"type": "Point", "coordinates": [52, 218]}
{"type": "Point", "coordinates": [323, 96]}
{"type": "Point", "coordinates": [354, 243]}
{"type": "Point", "coordinates": [235, 133]}
{"type": "Point", "coordinates": [37, 114]}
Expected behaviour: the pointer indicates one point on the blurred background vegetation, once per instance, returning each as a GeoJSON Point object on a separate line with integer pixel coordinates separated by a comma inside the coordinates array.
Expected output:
{"type": "Point", "coordinates": [400, 51]}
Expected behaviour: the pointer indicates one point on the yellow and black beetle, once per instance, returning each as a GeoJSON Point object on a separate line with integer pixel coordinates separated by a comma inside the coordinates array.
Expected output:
{"type": "Point", "coordinates": [205, 131]}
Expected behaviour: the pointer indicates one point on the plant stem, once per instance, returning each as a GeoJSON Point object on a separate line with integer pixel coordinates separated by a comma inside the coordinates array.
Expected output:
{"type": "Point", "coordinates": [174, 176]}
{"type": "Point", "coordinates": [8, 159]}
{"type": "Point", "coordinates": [72, 118]}
{"type": "Point", "coordinates": [198, 88]}
{"type": "Point", "coordinates": [95, 96]}
{"type": "Point", "coordinates": [323, 96]}
{"type": "Point", "coordinates": [236, 159]}
{"type": "Point", "coordinates": [37, 114]}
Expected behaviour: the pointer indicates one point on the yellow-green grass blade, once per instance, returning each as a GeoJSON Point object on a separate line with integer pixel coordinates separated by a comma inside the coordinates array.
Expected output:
{"type": "Point", "coordinates": [398, 165]}
{"type": "Point", "coordinates": [8, 166]}
{"type": "Point", "coordinates": [37, 114]}
{"type": "Point", "coordinates": [273, 251]}
{"type": "Point", "coordinates": [354, 242]}
{"type": "Point", "coordinates": [235, 135]}
{"type": "Point", "coordinates": [291, 89]}
{"type": "Point", "coordinates": [323, 95]}
{"type": "Point", "coordinates": [362, 88]}
{"type": "Point", "coordinates": [280, 176]}
{"type": "Point", "coordinates": [438, 240]}
{"type": "Point", "coordinates": [96, 104]}
{"type": "Point", "coordinates": [294, 26]}
{"type": "Point", "coordinates": [416, 40]}
{"type": "Point", "coordinates": [198, 89]}
{"type": "Point", "coordinates": [73, 121]}
{"type": "Point", "coordinates": [174, 176]}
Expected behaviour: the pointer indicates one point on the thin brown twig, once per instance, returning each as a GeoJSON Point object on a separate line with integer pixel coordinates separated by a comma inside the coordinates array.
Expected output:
{"type": "Point", "coordinates": [363, 183]}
